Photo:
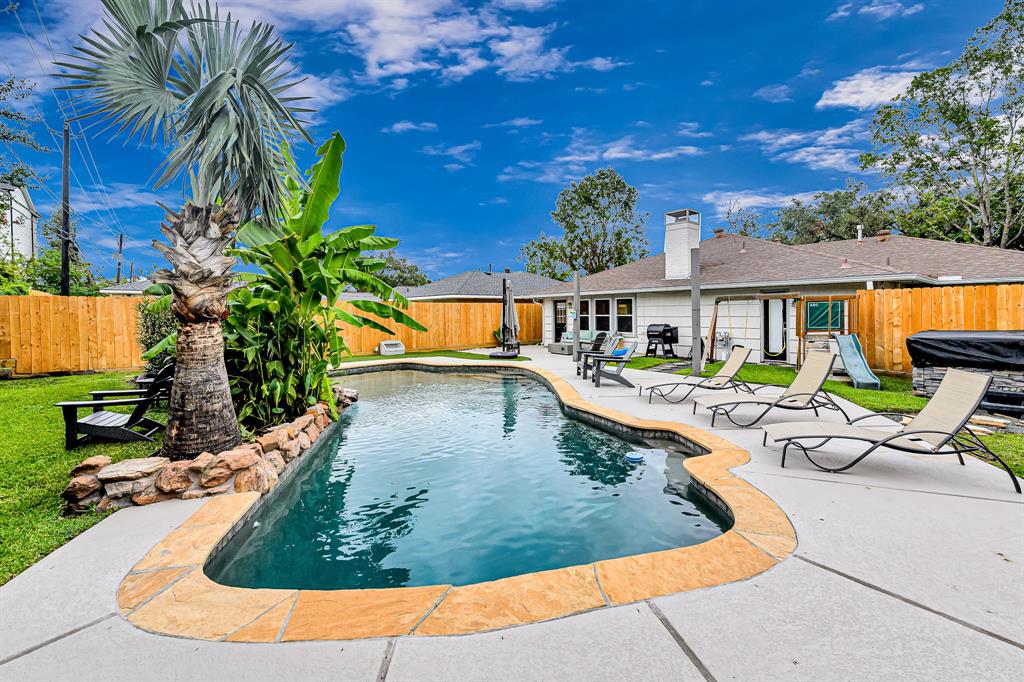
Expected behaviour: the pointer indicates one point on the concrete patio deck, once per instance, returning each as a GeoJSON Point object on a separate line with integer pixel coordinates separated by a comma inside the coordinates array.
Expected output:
{"type": "Point", "coordinates": [906, 567]}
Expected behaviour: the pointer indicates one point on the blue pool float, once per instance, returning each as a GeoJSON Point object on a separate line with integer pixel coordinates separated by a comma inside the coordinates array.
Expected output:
{"type": "Point", "coordinates": [634, 457]}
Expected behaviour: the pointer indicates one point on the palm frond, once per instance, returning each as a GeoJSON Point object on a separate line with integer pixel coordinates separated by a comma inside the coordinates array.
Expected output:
{"type": "Point", "coordinates": [211, 92]}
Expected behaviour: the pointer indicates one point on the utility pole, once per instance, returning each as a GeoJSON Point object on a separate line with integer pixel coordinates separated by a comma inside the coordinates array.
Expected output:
{"type": "Point", "coordinates": [65, 218]}
{"type": "Point", "coordinates": [120, 252]}
{"type": "Point", "coordinates": [131, 271]}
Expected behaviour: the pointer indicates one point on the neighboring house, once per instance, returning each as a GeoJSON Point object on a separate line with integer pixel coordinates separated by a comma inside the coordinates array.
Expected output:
{"type": "Point", "coordinates": [656, 290]}
{"type": "Point", "coordinates": [19, 223]}
{"type": "Point", "coordinates": [136, 288]}
{"type": "Point", "coordinates": [474, 285]}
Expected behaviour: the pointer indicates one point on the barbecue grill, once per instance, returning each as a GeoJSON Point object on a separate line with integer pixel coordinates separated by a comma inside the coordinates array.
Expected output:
{"type": "Point", "coordinates": [662, 335]}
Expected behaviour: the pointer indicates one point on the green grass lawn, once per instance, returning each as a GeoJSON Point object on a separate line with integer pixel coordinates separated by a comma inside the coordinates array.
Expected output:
{"type": "Point", "coordinates": [458, 354]}
{"type": "Point", "coordinates": [35, 467]}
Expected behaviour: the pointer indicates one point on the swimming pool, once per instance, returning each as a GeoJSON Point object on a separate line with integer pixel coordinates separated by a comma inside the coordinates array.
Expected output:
{"type": "Point", "coordinates": [437, 478]}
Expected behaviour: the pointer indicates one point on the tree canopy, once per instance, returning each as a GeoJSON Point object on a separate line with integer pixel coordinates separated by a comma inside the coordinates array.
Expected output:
{"type": "Point", "coordinates": [952, 143]}
{"type": "Point", "coordinates": [400, 272]}
{"type": "Point", "coordinates": [601, 229]}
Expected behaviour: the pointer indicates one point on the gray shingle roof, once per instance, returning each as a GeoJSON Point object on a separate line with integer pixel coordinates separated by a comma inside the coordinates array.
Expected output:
{"type": "Point", "coordinates": [743, 261]}
{"type": "Point", "coordinates": [136, 287]}
{"type": "Point", "coordinates": [479, 284]}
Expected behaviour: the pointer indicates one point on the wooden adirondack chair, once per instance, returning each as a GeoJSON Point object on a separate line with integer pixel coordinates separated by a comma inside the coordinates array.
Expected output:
{"type": "Point", "coordinates": [118, 426]}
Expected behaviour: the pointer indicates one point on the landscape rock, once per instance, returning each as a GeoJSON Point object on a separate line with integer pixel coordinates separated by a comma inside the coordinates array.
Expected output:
{"type": "Point", "coordinates": [151, 495]}
{"type": "Point", "coordinates": [122, 488]}
{"type": "Point", "coordinates": [312, 432]}
{"type": "Point", "coordinates": [271, 441]}
{"type": "Point", "coordinates": [276, 459]}
{"type": "Point", "coordinates": [80, 487]}
{"type": "Point", "coordinates": [84, 504]}
{"type": "Point", "coordinates": [321, 421]}
{"type": "Point", "coordinates": [111, 503]}
{"type": "Point", "coordinates": [302, 422]}
{"type": "Point", "coordinates": [290, 450]}
{"type": "Point", "coordinates": [204, 492]}
{"type": "Point", "coordinates": [91, 465]}
{"type": "Point", "coordinates": [131, 469]}
{"type": "Point", "coordinates": [174, 478]}
{"type": "Point", "coordinates": [345, 396]}
{"type": "Point", "coordinates": [201, 462]}
{"type": "Point", "coordinates": [304, 441]}
{"type": "Point", "coordinates": [226, 463]}
{"type": "Point", "coordinates": [260, 477]}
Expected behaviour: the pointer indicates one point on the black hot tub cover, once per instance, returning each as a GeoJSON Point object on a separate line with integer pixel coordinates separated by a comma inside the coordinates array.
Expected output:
{"type": "Point", "coordinates": [981, 350]}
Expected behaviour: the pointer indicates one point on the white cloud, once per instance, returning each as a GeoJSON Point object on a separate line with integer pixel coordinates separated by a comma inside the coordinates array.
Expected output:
{"type": "Point", "coordinates": [776, 93]}
{"type": "Point", "coordinates": [463, 153]}
{"type": "Point", "coordinates": [518, 122]}
{"type": "Point", "coordinates": [841, 12]}
{"type": "Point", "coordinates": [828, 149]}
{"type": "Point", "coordinates": [583, 152]}
{"type": "Point", "coordinates": [707, 83]}
{"type": "Point", "coordinates": [406, 126]}
{"type": "Point", "coordinates": [117, 195]}
{"type": "Point", "coordinates": [691, 129]}
{"type": "Point", "coordinates": [524, 5]}
{"type": "Point", "coordinates": [754, 199]}
{"type": "Point", "coordinates": [881, 10]}
{"type": "Point", "coordinates": [867, 88]}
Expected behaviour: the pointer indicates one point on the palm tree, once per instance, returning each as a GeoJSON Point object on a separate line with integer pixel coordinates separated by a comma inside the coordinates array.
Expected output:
{"type": "Point", "coordinates": [214, 96]}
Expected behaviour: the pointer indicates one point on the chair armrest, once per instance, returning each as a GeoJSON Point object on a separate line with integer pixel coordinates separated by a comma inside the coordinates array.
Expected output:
{"type": "Point", "coordinates": [101, 403]}
{"type": "Point", "coordinates": [879, 414]}
{"type": "Point", "coordinates": [100, 395]}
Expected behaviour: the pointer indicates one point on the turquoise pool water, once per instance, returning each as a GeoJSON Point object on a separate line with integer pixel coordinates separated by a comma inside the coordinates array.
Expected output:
{"type": "Point", "coordinates": [461, 478]}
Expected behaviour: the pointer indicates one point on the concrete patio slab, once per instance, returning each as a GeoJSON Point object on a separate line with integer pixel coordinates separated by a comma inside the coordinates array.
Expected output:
{"type": "Point", "coordinates": [623, 643]}
{"type": "Point", "coordinates": [800, 622]}
{"type": "Point", "coordinates": [114, 650]}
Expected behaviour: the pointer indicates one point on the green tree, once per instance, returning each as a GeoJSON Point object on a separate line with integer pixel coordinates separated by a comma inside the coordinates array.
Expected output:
{"type": "Point", "coordinates": [13, 278]}
{"type": "Point", "coordinates": [400, 272]}
{"type": "Point", "coordinates": [15, 130]}
{"type": "Point", "coordinates": [217, 98]}
{"type": "Point", "coordinates": [955, 136]}
{"type": "Point", "coordinates": [43, 271]}
{"type": "Point", "coordinates": [601, 229]}
{"type": "Point", "coordinates": [833, 216]}
{"type": "Point", "coordinates": [746, 222]}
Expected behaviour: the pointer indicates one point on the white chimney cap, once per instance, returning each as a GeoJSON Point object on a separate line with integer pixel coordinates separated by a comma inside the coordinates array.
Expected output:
{"type": "Point", "coordinates": [689, 215]}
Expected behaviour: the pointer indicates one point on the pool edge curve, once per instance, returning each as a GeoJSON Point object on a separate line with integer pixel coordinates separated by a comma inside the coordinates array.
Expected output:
{"type": "Point", "coordinates": [167, 592]}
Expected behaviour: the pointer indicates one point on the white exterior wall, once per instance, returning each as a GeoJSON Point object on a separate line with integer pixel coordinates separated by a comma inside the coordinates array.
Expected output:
{"type": "Point", "coordinates": [741, 319]}
{"type": "Point", "coordinates": [548, 321]}
{"type": "Point", "coordinates": [24, 225]}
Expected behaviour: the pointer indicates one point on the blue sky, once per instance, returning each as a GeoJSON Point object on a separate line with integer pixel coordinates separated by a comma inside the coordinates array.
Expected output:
{"type": "Point", "coordinates": [465, 119]}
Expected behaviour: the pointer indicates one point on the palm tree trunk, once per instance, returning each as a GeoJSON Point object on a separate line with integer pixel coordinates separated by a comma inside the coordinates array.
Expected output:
{"type": "Point", "coordinates": [201, 415]}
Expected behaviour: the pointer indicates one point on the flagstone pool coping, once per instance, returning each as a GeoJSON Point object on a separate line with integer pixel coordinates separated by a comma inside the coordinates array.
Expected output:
{"type": "Point", "coordinates": [168, 593]}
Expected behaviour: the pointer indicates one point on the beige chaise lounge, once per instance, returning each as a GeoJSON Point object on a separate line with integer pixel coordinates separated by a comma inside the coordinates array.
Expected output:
{"type": "Point", "coordinates": [725, 378]}
{"type": "Point", "coordinates": [939, 429]}
{"type": "Point", "coordinates": [803, 394]}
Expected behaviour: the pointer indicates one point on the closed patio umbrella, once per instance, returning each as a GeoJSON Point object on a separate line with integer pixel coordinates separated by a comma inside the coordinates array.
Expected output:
{"type": "Point", "coordinates": [509, 322]}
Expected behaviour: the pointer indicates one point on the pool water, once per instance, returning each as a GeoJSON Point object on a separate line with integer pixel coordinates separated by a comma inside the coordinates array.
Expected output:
{"type": "Point", "coordinates": [461, 478]}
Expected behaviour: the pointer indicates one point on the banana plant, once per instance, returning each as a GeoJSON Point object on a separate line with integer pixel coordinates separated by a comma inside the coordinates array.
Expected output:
{"type": "Point", "coordinates": [282, 330]}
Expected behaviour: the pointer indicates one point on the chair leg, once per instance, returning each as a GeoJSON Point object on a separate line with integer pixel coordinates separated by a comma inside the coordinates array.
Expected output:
{"type": "Point", "coordinates": [70, 427]}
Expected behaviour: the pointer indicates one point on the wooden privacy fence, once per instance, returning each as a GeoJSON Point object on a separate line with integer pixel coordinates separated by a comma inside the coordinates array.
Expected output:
{"type": "Point", "coordinates": [45, 334]}
{"type": "Point", "coordinates": [886, 317]}
{"type": "Point", "coordinates": [69, 333]}
{"type": "Point", "coordinates": [449, 326]}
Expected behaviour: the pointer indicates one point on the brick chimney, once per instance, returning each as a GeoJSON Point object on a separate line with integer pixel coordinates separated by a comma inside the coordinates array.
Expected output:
{"type": "Point", "coordinates": [682, 233]}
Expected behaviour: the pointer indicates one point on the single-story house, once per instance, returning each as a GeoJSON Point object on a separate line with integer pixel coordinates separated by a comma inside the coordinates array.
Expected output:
{"type": "Point", "coordinates": [656, 290]}
{"type": "Point", "coordinates": [136, 288]}
{"type": "Point", "coordinates": [474, 285]}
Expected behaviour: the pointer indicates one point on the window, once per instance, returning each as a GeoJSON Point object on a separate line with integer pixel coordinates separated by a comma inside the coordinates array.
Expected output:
{"type": "Point", "coordinates": [584, 316]}
{"type": "Point", "coordinates": [820, 319]}
{"type": "Point", "coordinates": [624, 315]}
{"type": "Point", "coordinates": [603, 315]}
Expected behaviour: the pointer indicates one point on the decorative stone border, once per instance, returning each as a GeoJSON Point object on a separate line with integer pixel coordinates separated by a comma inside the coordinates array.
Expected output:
{"type": "Point", "coordinates": [168, 593]}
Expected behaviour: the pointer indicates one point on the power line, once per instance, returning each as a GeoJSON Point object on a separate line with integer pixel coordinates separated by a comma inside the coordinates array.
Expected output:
{"type": "Point", "coordinates": [97, 184]}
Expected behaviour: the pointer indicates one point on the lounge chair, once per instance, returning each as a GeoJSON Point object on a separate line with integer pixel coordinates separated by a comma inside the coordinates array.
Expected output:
{"type": "Point", "coordinates": [939, 429]}
{"type": "Point", "coordinates": [599, 364]}
{"type": "Point", "coordinates": [596, 345]}
{"type": "Point", "coordinates": [163, 377]}
{"type": "Point", "coordinates": [803, 394]}
{"type": "Point", "coordinates": [724, 379]}
{"type": "Point", "coordinates": [608, 344]}
{"type": "Point", "coordinates": [117, 426]}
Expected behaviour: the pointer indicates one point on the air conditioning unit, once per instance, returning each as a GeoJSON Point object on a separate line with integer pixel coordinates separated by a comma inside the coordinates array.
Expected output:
{"type": "Point", "coordinates": [391, 348]}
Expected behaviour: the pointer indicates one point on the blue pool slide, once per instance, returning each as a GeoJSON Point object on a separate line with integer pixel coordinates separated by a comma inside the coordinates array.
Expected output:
{"type": "Point", "coordinates": [855, 363]}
